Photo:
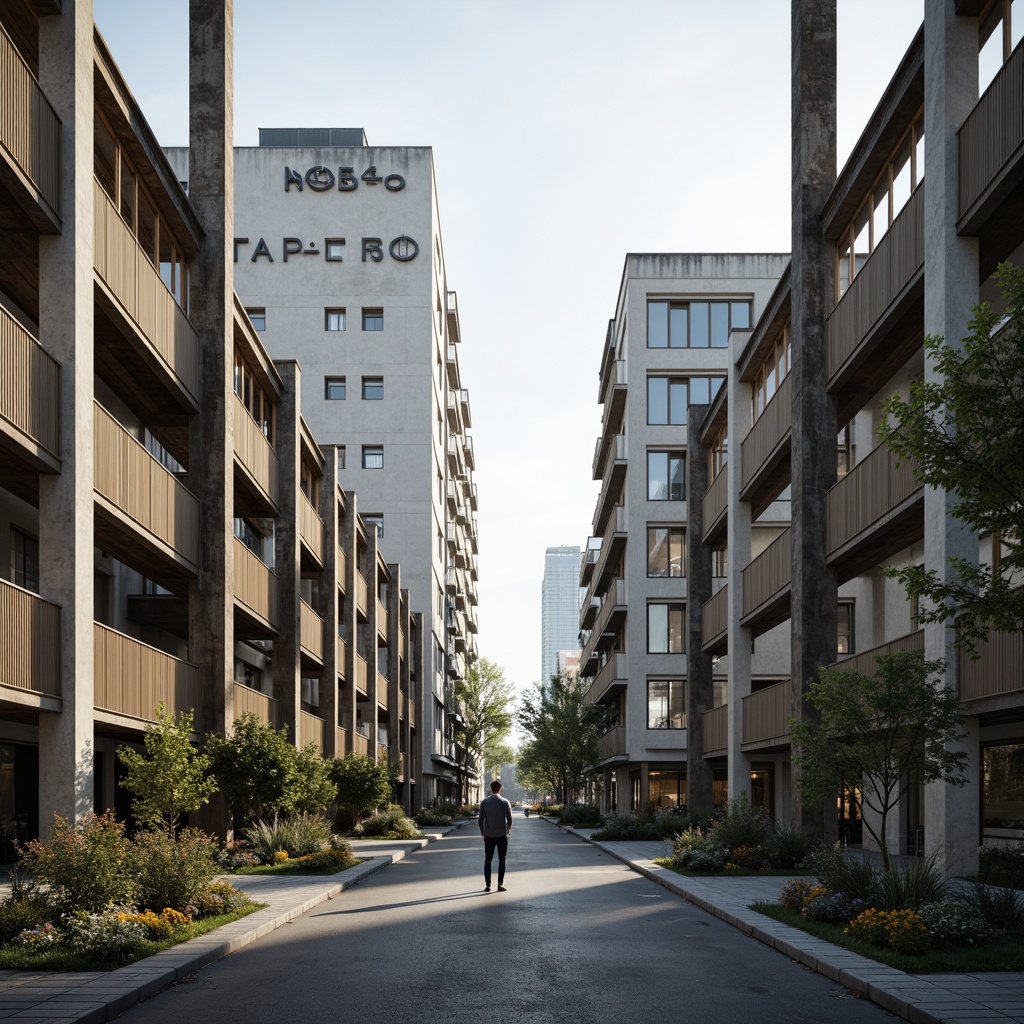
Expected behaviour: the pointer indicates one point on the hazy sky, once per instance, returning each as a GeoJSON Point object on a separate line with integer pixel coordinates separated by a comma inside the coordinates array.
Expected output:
{"type": "Point", "coordinates": [566, 133]}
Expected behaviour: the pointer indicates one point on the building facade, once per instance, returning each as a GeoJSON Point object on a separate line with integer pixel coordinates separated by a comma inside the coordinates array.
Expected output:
{"type": "Point", "coordinates": [559, 607]}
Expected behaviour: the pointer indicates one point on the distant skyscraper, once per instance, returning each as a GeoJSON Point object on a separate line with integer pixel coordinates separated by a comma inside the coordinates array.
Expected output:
{"type": "Point", "coordinates": [560, 606]}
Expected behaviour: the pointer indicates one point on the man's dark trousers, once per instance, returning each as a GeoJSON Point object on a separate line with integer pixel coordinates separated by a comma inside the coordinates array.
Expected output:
{"type": "Point", "coordinates": [492, 843]}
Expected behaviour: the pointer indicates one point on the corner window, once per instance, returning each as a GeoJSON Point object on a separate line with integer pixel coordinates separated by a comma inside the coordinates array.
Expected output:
{"type": "Point", "coordinates": [334, 389]}
{"type": "Point", "coordinates": [666, 552]}
{"type": "Point", "coordinates": [373, 319]}
{"type": "Point", "coordinates": [373, 456]}
{"type": "Point", "coordinates": [334, 319]}
{"type": "Point", "coordinates": [665, 628]}
{"type": "Point", "coordinates": [258, 318]}
{"type": "Point", "coordinates": [666, 476]}
{"type": "Point", "coordinates": [373, 389]}
{"type": "Point", "coordinates": [666, 704]}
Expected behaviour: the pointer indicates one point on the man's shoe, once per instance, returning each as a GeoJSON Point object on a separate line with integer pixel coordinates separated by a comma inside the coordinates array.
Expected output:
{"type": "Point", "coordinates": [487, 888]}
{"type": "Point", "coordinates": [502, 888]}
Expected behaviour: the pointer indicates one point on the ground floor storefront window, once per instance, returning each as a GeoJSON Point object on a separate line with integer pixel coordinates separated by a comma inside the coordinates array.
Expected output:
{"type": "Point", "coordinates": [668, 789]}
{"type": "Point", "coordinates": [1002, 792]}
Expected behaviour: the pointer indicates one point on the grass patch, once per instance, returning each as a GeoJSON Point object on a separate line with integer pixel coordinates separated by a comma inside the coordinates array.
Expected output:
{"type": "Point", "coordinates": [295, 867]}
{"type": "Point", "coordinates": [16, 958]}
{"type": "Point", "coordinates": [1003, 954]}
{"type": "Point", "coordinates": [666, 862]}
{"type": "Point", "coordinates": [387, 839]}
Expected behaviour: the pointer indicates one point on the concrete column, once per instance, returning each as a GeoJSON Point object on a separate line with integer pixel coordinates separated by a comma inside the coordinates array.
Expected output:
{"type": "Point", "coordinates": [372, 713]}
{"type": "Point", "coordinates": [950, 290]}
{"type": "Point", "coordinates": [330, 603]}
{"type": "Point", "coordinates": [350, 546]}
{"type": "Point", "coordinates": [395, 724]}
{"type": "Point", "coordinates": [421, 691]}
{"type": "Point", "coordinates": [814, 589]}
{"type": "Point", "coordinates": [211, 309]}
{"type": "Point", "coordinates": [699, 687]}
{"type": "Point", "coordinates": [66, 555]}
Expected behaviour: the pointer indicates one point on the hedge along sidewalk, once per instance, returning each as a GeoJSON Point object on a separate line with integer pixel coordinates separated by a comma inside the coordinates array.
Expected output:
{"type": "Point", "coordinates": [97, 996]}
{"type": "Point", "coordinates": [982, 998]}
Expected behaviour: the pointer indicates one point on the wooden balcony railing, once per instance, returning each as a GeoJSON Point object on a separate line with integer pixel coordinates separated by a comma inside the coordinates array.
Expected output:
{"type": "Point", "coordinates": [412, 713]}
{"type": "Point", "coordinates": [342, 568]}
{"type": "Point", "coordinates": [382, 753]}
{"type": "Point", "coordinates": [254, 452]}
{"type": "Point", "coordinates": [886, 272]}
{"type": "Point", "coordinates": [341, 739]}
{"type": "Point", "coordinates": [29, 383]}
{"type": "Point", "coordinates": [255, 584]}
{"type": "Point", "coordinates": [311, 730]}
{"type": "Point", "coordinates": [132, 678]}
{"type": "Point", "coordinates": [716, 731]}
{"type": "Point", "coordinates": [382, 618]}
{"type": "Point", "coordinates": [361, 594]}
{"type": "Point", "coordinates": [143, 489]}
{"type": "Point", "coordinates": [766, 715]}
{"type": "Point", "coordinates": [865, 661]}
{"type": "Point", "coordinates": [768, 431]}
{"type": "Point", "coordinates": [361, 744]}
{"type": "Point", "coordinates": [311, 631]}
{"type": "Point", "coordinates": [382, 689]}
{"type": "Point", "coordinates": [311, 528]}
{"type": "Point", "coordinates": [769, 573]}
{"type": "Point", "coordinates": [361, 675]}
{"type": "Point", "coordinates": [614, 668]}
{"type": "Point", "coordinates": [715, 617]}
{"type": "Point", "coordinates": [30, 657]}
{"type": "Point", "coordinates": [998, 669]}
{"type": "Point", "coordinates": [993, 131]}
{"type": "Point", "coordinates": [612, 743]}
{"type": "Point", "coordinates": [30, 129]}
{"type": "Point", "coordinates": [715, 501]}
{"type": "Point", "coordinates": [342, 657]}
{"type": "Point", "coordinates": [250, 701]}
{"type": "Point", "coordinates": [873, 488]}
{"type": "Point", "coordinates": [125, 269]}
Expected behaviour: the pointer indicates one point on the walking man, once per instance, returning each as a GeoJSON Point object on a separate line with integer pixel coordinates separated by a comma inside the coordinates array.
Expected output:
{"type": "Point", "coordinates": [495, 828]}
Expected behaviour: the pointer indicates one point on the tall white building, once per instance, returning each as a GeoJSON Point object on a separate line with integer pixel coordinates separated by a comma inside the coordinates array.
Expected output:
{"type": "Point", "coordinates": [560, 606]}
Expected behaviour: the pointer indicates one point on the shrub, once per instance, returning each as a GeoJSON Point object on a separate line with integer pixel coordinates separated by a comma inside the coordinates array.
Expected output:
{"type": "Point", "coordinates": [702, 860]}
{"type": "Point", "coordinates": [173, 872]}
{"type": "Point", "coordinates": [363, 784]}
{"type": "Point", "coordinates": [740, 825]}
{"type": "Point", "coordinates": [552, 809]}
{"type": "Point", "coordinates": [955, 922]}
{"type": "Point", "coordinates": [87, 866]}
{"type": "Point", "coordinates": [901, 930]}
{"type": "Point", "coordinates": [339, 844]}
{"type": "Point", "coordinates": [432, 816]}
{"type": "Point", "coordinates": [219, 897]}
{"type": "Point", "coordinates": [1002, 865]}
{"type": "Point", "coordinates": [41, 937]}
{"type": "Point", "coordinates": [907, 888]}
{"type": "Point", "coordinates": [752, 858]}
{"type": "Point", "coordinates": [794, 893]}
{"type": "Point", "coordinates": [24, 907]}
{"type": "Point", "coordinates": [580, 814]}
{"type": "Point", "coordinates": [792, 845]}
{"type": "Point", "coordinates": [447, 807]}
{"type": "Point", "coordinates": [617, 827]}
{"type": "Point", "coordinates": [325, 860]}
{"type": "Point", "coordinates": [160, 926]}
{"type": "Point", "coordinates": [389, 824]}
{"type": "Point", "coordinates": [832, 907]}
{"type": "Point", "coordinates": [236, 855]}
{"type": "Point", "coordinates": [112, 935]}
{"type": "Point", "coordinates": [840, 872]}
{"type": "Point", "coordinates": [1002, 907]}
{"type": "Point", "coordinates": [297, 836]}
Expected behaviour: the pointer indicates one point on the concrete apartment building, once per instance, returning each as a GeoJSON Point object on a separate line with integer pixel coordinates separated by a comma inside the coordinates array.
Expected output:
{"type": "Point", "coordinates": [559, 609]}
{"type": "Point", "coordinates": [896, 245]}
{"type": "Point", "coordinates": [665, 349]}
{"type": "Point", "coordinates": [171, 528]}
{"type": "Point", "coordinates": [338, 258]}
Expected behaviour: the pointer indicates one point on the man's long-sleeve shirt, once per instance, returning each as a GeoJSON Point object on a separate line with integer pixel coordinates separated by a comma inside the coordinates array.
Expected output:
{"type": "Point", "coordinates": [495, 816]}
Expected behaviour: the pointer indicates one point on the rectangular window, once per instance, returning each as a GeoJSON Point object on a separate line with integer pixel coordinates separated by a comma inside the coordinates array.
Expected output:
{"type": "Point", "coordinates": [334, 250]}
{"type": "Point", "coordinates": [373, 389]}
{"type": "Point", "coordinates": [720, 563]}
{"type": "Point", "coordinates": [258, 318]}
{"type": "Point", "coordinates": [666, 476]}
{"type": "Point", "coordinates": [373, 319]}
{"type": "Point", "coordinates": [667, 399]}
{"type": "Point", "coordinates": [334, 389]}
{"type": "Point", "coordinates": [666, 704]}
{"type": "Point", "coordinates": [694, 324]}
{"type": "Point", "coordinates": [374, 520]}
{"type": "Point", "coordinates": [24, 560]}
{"type": "Point", "coordinates": [666, 552]}
{"type": "Point", "coordinates": [1002, 799]}
{"type": "Point", "coordinates": [665, 628]}
{"type": "Point", "coordinates": [373, 456]}
{"type": "Point", "coordinates": [334, 319]}
{"type": "Point", "coordinates": [341, 455]}
{"type": "Point", "coordinates": [844, 621]}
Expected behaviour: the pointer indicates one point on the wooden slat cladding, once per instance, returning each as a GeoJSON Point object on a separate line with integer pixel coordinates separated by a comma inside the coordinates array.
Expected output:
{"type": "Point", "coordinates": [382, 690]}
{"type": "Point", "coordinates": [342, 568]}
{"type": "Point", "coordinates": [886, 272]}
{"type": "Point", "coordinates": [132, 678]}
{"type": "Point", "coordinates": [361, 675]}
{"type": "Point", "coordinates": [30, 129]}
{"type": "Point", "coordinates": [715, 500]}
{"type": "Point", "coordinates": [311, 730]}
{"type": "Point", "coordinates": [255, 584]}
{"type": "Point", "coordinates": [716, 731]}
{"type": "Point", "coordinates": [769, 573]}
{"type": "Point", "coordinates": [865, 661]}
{"type": "Point", "coordinates": [715, 616]}
{"type": "Point", "coordinates": [768, 431]}
{"type": "Point", "coordinates": [360, 744]}
{"type": "Point", "coordinates": [341, 740]}
{"type": "Point", "coordinates": [311, 528]}
{"type": "Point", "coordinates": [382, 619]}
{"type": "Point", "coordinates": [612, 743]}
{"type": "Point", "coordinates": [135, 283]}
{"type": "Point", "coordinates": [993, 131]}
{"type": "Point", "coordinates": [30, 656]}
{"type": "Point", "coordinates": [998, 669]}
{"type": "Point", "coordinates": [132, 480]}
{"type": "Point", "coordinates": [311, 631]}
{"type": "Point", "coordinates": [614, 668]}
{"type": "Point", "coordinates": [254, 452]}
{"type": "Point", "coordinates": [873, 488]}
{"type": "Point", "coordinates": [250, 701]}
{"type": "Point", "coordinates": [361, 594]}
{"type": "Point", "coordinates": [766, 714]}
{"type": "Point", "coordinates": [29, 385]}
{"type": "Point", "coordinates": [411, 716]}
{"type": "Point", "coordinates": [342, 653]}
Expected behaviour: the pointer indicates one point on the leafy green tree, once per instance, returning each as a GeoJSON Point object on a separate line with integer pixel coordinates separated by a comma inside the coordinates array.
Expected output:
{"type": "Point", "coordinates": [255, 768]}
{"type": "Point", "coordinates": [172, 777]}
{"type": "Point", "coordinates": [313, 788]}
{"type": "Point", "coordinates": [534, 771]}
{"type": "Point", "coordinates": [363, 784]}
{"type": "Point", "coordinates": [965, 431]}
{"type": "Point", "coordinates": [487, 701]}
{"type": "Point", "coordinates": [564, 730]}
{"type": "Point", "coordinates": [879, 736]}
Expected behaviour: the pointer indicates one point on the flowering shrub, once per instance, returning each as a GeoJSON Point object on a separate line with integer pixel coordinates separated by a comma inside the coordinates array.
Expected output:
{"type": "Point", "coordinates": [159, 926]}
{"type": "Point", "coordinates": [110, 935]}
{"type": "Point", "coordinates": [236, 855]}
{"type": "Point", "coordinates": [171, 872]}
{"type": "Point", "coordinates": [280, 856]}
{"type": "Point", "coordinates": [43, 937]}
{"type": "Point", "coordinates": [326, 860]}
{"type": "Point", "coordinates": [795, 893]}
{"type": "Point", "coordinates": [219, 897]}
{"type": "Point", "coordinates": [953, 922]}
{"type": "Point", "coordinates": [752, 858]}
{"type": "Point", "coordinates": [901, 930]}
{"type": "Point", "coordinates": [701, 860]}
{"type": "Point", "coordinates": [831, 907]}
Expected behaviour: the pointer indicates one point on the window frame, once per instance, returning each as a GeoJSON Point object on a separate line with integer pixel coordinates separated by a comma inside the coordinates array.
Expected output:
{"type": "Point", "coordinates": [370, 451]}
{"type": "Point", "coordinates": [373, 315]}
{"type": "Point", "coordinates": [671, 608]}
{"type": "Point", "coordinates": [335, 382]}
{"type": "Point", "coordinates": [340, 316]}
{"type": "Point", "coordinates": [670, 716]}
{"type": "Point", "coordinates": [670, 454]}
{"type": "Point", "coordinates": [370, 385]}
{"type": "Point", "coordinates": [671, 529]}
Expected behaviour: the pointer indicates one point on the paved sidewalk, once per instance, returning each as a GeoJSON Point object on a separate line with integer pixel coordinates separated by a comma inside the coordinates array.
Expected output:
{"type": "Point", "coordinates": [984, 998]}
{"type": "Point", "coordinates": [48, 997]}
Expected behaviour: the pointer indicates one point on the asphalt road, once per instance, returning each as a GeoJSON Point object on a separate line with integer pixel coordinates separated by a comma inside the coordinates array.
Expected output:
{"type": "Point", "coordinates": [577, 938]}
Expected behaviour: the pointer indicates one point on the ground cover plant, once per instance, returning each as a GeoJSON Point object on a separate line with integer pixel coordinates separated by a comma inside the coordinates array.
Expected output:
{"type": "Point", "coordinates": [390, 823]}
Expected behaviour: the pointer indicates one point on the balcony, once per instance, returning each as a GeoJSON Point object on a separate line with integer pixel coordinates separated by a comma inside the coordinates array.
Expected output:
{"type": "Point", "coordinates": [453, 498]}
{"type": "Point", "coordinates": [382, 622]}
{"type": "Point", "coordinates": [714, 623]}
{"type": "Point", "coordinates": [589, 613]}
{"type": "Point", "coordinates": [612, 615]}
{"type": "Point", "coordinates": [256, 456]}
{"type": "Point", "coordinates": [311, 635]}
{"type": "Point", "coordinates": [876, 325]}
{"type": "Point", "coordinates": [610, 681]}
{"type": "Point", "coordinates": [411, 715]}
{"type": "Point", "coordinates": [311, 529]}
{"type": "Point", "coordinates": [997, 671]}
{"type": "Point", "coordinates": [612, 545]}
{"type": "Point", "coordinates": [311, 730]}
{"type": "Point", "coordinates": [764, 452]}
{"type": "Point", "coordinates": [252, 702]}
{"type": "Point", "coordinates": [467, 418]}
{"type": "Point", "coordinates": [452, 358]}
{"type": "Point", "coordinates": [144, 513]}
{"type": "Point", "coordinates": [469, 453]}
{"type": "Point", "coordinates": [766, 716]}
{"type": "Point", "coordinates": [341, 741]}
{"type": "Point", "coordinates": [362, 596]}
{"type": "Point", "coordinates": [716, 731]}
{"type": "Point", "coordinates": [453, 409]}
{"type": "Point", "coordinates": [341, 657]}
{"type": "Point", "coordinates": [715, 506]}
{"type": "Point", "coordinates": [361, 744]}
{"type": "Point", "coordinates": [872, 512]}
{"type": "Point", "coordinates": [614, 390]}
{"type": "Point", "coordinates": [865, 661]}
{"type": "Point", "coordinates": [30, 141]}
{"type": "Point", "coordinates": [29, 397]}
{"type": "Point", "coordinates": [612, 745]}
{"type": "Point", "coordinates": [382, 690]}
{"type": "Point", "coordinates": [169, 341]}
{"type": "Point", "coordinates": [766, 585]}
{"type": "Point", "coordinates": [473, 498]}
{"type": "Point", "coordinates": [361, 677]}
{"type": "Point", "coordinates": [611, 485]}
{"type": "Point", "coordinates": [132, 678]}
{"type": "Point", "coordinates": [256, 587]}
{"type": "Point", "coordinates": [588, 562]}
{"type": "Point", "coordinates": [30, 657]}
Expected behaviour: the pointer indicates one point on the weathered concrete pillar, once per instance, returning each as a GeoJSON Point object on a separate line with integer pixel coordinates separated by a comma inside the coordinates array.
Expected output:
{"type": "Point", "coordinates": [212, 442]}
{"type": "Point", "coordinates": [330, 603]}
{"type": "Point", "coordinates": [419, 691]}
{"type": "Point", "coordinates": [950, 290]}
{"type": "Point", "coordinates": [394, 610]}
{"type": "Point", "coordinates": [349, 620]}
{"type": "Point", "coordinates": [700, 691]}
{"type": "Point", "coordinates": [814, 589]}
{"type": "Point", "coordinates": [66, 501]}
{"type": "Point", "coordinates": [371, 713]}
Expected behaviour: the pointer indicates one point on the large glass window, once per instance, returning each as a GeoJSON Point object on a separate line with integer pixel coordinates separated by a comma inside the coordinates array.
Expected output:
{"type": "Point", "coordinates": [771, 373]}
{"type": "Point", "coordinates": [1000, 29]}
{"type": "Point", "coordinates": [844, 631]}
{"type": "Point", "coordinates": [694, 324]}
{"type": "Point", "coordinates": [666, 551]}
{"type": "Point", "coordinates": [1002, 794]}
{"type": "Point", "coordinates": [254, 398]}
{"type": "Point", "coordinates": [668, 397]}
{"type": "Point", "coordinates": [666, 476]}
{"type": "Point", "coordinates": [666, 704]}
{"type": "Point", "coordinates": [667, 789]}
{"type": "Point", "coordinates": [666, 623]}
{"type": "Point", "coordinates": [24, 560]}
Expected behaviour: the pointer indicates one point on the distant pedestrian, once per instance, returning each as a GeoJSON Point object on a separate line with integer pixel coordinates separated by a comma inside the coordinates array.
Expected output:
{"type": "Point", "coordinates": [495, 828]}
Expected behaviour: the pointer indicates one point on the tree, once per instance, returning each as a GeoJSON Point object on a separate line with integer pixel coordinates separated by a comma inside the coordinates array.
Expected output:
{"type": "Point", "coordinates": [363, 784]}
{"type": "Point", "coordinates": [172, 777]}
{"type": "Point", "coordinates": [313, 788]}
{"type": "Point", "coordinates": [965, 430]}
{"type": "Point", "coordinates": [879, 736]}
{"type": "Point", "coordinates": [487, 700]}
{"type": "Point", "coordinates": [564, 729]}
